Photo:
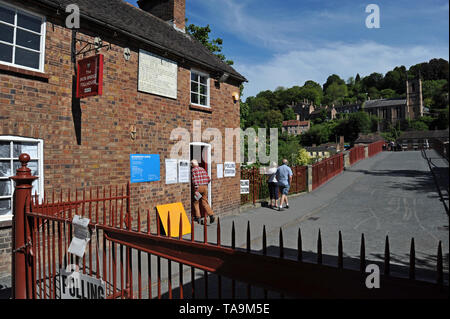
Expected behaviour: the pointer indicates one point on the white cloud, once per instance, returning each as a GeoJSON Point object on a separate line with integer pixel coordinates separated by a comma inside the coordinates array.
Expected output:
{"type": "Point", "coordinates": [297, 66]}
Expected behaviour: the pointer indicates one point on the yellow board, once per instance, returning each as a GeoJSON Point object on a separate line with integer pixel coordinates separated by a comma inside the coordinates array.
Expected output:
{"type": "Point", "coordinates": [175, 209]}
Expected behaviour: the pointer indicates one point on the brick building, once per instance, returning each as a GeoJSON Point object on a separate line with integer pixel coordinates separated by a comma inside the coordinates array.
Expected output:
{"type": "Point", "coordinates": [81, 143]}
{"type": "Point", "coordinates": [295, 127]}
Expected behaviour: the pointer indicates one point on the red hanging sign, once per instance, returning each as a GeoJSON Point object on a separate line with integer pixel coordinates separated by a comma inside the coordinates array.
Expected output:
{"type": "Point", "coordinates": [90, 76]}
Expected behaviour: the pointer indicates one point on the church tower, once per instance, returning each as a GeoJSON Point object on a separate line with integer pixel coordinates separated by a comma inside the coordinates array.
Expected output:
{"type": "Point", "coordinates": [414, 98]}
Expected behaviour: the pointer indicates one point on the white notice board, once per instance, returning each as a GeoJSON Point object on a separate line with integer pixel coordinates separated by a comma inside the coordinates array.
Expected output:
{"type": "Point", "coordinates": [219, 170]}
{"type": "Point", "coordinates": [245, 186]}
{"type": "Point", "coordinates": [157, 75]}
{"type": "Point", "coordinates": [183, 171]}
{"type": "Point", "coordinates": [229, 169]}
{"type": "Point", "coordinates": [171, 171]}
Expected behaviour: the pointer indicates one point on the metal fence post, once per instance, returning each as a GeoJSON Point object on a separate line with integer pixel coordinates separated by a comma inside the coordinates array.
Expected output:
{"type": "Point", "coordinates": [21, 241]}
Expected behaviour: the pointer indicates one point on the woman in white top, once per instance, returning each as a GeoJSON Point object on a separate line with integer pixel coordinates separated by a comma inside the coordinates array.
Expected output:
{"type": "Point", "coordinates": [273, 185]}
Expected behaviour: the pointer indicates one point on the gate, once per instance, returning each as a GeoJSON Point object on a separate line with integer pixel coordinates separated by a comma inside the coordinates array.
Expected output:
{"type": "Point", "coordinates": [135, 260]}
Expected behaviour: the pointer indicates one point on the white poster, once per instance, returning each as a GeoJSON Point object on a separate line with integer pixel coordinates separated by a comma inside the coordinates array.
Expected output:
{"type": "Point", "coordinates": [229, 169]}
{"type": "Point", "coordinates": [219, 170]}
{"type": "Point", "coordinates": [245, 186]}
{"type": "Point", "coordinates": [171, 171]}
{"type": "Point", "coordinates": [157, 75]}
{"type": "Point", "coordinates": [183, 171]}
{"type": "Point", "coordinates": [81, 236]}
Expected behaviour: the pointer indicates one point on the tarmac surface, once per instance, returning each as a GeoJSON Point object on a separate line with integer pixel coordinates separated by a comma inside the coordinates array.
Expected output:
{"type": "Point", "coordinates": [394, 194]}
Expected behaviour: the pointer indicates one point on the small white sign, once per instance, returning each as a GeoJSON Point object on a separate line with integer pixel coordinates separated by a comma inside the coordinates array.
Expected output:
{"type": "Point", "coordinates": [81, 236]}
{"type": "Point", "coordinates": [219, 170]}
{"type": "Point", "coordinates": [75, 285]}
{"type": "Point", "coordinates": [229, 169]}
{"type": "Point", "coordinates": [183, 171]}
{"type": "Point", "coordinates": [171, 171]}
{"type": "Point", "coordinates": [245, 186]}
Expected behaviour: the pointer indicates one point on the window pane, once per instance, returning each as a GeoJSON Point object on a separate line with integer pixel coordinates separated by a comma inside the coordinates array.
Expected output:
{"type": "Point", "coordinates": [203, 89]}
{"type": "Point", "coordinates": [35, 189]}
{"type": "Point", "coordinates": [5, 188]}
{"type": "Point", "coordinates": [5, 206]}
{"type": "Point", "coordinates": [6, 15]}
{"type": "Point", "coordinates": [28, 39]}
{"type": "Point", "coordinates": [5, 169]}
{"type": "Point", "coordinates": [27, 58]}
{"type": "Point", "coordinates": [194, 98]}
{"type": "Point", "coordinates": [6, 53]}
{"type": "Point", "coordinates": [203, 100]}
{"type": "Point", "coordinates": [194, 77]}
{"type": "Point", "coordinates": [33, 165]}
{"type": "Point", "coordinates": [203, 80]}
{"type": "Point", "coordinates": [194, 87]}
{"type": "Point", "coordinates": [4, 149]}
{"type": "Point", "coordinates": [30, 23]}
{"type": "Point", "coordinates": [6, 33]}
{"type": "Point", "coordinates": [28, 148]}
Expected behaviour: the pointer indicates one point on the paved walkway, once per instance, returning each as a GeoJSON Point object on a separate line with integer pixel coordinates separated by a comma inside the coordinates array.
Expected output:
{"type": "Point", "coordinates": [393, 193]}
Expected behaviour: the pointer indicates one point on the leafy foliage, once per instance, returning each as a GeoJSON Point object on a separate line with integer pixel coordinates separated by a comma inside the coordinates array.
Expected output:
{"type": "Point", "coordinates": [213, 45]}
{"type": "Point", "coordinates": [303, 158]}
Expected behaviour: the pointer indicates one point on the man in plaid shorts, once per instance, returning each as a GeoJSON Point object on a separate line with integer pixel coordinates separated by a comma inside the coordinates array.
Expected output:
{"type": "Point", "coordinates": [200, 180]}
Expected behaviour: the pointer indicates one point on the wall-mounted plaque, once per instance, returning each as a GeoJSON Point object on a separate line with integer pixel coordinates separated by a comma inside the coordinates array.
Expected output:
{"type": "Point", "coordinates": [157, 75]}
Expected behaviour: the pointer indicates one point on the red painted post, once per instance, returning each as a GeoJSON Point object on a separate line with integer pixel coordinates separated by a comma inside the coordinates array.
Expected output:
{"type": "Point", "coordinates": [22, 266]}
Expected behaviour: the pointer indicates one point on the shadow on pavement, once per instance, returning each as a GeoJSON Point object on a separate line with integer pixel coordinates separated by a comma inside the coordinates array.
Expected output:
{"type": "Point", "coordinates": [206, 285]}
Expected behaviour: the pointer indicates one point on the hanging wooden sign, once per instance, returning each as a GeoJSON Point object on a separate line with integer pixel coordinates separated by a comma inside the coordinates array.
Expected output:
{"type": "Point", "coordinates": [90, 76]}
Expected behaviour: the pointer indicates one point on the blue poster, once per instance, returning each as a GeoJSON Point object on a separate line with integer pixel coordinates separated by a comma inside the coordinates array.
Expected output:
{"type": "Point", "coordinates": [144, 168]}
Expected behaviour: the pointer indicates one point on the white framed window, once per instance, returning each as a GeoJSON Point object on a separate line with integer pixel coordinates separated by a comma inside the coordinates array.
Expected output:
{"type": "Point", "coordinates": [199, 88]}
{"type": "Point", "coordinates": [10, 149]}
{"type": "Point", "coordinates": [22, 38]}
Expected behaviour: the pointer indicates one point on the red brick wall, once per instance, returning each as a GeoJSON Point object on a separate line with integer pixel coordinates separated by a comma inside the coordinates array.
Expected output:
{"type": "Point", "coordinates": [5, 251]}
{"type": "Point", "coordinates": [40, 109]}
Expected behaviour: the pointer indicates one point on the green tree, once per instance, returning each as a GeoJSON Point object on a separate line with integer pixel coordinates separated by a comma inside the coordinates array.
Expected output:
{"type": "Point", "coordinates": [335, 93]}
{"type": "Point", "coordinates": [274, 118]}
{"type": "Point", "coordinates": [288, 114]}
{"type": "Point", "coordinates": [322, 117]}
{"type": "Point", "coordinates": [303, 157]}
{"type": "Point", "coordinates": [435, 93]}
{"type": "Point", "coordinates": [388, 93]}
{"type": "Point", "coordinates": [374, 93]}
{"type": "Point", "coordinates": [318, 134]}
{"type": "Point", "coordinates": [213, 45]}
{"type": "Point", "coordinates": [334, 78]}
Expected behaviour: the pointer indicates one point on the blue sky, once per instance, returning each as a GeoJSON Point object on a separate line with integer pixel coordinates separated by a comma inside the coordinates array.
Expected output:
{"type": "Point", "coordinates": [287, 42]}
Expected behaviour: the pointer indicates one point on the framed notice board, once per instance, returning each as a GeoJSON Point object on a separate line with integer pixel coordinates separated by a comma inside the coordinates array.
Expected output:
{"type": "Point", "coordinates": [145, 168]}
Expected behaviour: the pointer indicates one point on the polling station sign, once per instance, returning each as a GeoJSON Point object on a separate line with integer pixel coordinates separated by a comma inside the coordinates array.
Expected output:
{"type": "Point", "coordinates": [75, 285]}
{"type": "Point", "coordinates": [245, 186]}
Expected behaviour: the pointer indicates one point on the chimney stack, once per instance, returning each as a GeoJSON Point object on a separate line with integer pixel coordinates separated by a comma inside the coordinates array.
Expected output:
{"type": "Point", "coordinates": [171, 11]}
